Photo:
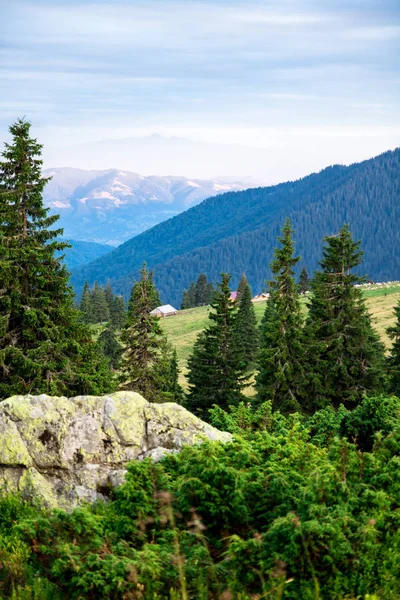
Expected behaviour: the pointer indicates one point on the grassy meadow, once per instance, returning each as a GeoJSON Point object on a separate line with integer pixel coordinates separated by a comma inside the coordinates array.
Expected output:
{"type": "Point", "coordinates": [183, 328]}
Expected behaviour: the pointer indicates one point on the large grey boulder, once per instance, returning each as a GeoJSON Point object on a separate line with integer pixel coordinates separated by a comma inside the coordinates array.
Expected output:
{"type": "Point", "coordinates": [67, 450]}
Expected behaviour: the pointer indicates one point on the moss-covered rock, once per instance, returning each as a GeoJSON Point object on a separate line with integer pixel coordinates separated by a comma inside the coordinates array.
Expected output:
{"type": "Point", "coordinates": [67, 450]}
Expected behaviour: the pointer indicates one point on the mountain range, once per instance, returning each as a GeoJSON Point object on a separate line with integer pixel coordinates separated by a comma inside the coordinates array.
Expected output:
{"type": "Point", "coordinates": [112, 206]}
{"type": "Point", "coordinates": [236, 232]}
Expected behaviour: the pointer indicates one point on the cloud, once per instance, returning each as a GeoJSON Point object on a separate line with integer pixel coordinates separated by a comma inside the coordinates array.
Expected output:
{"type": "Point", "coordinates": [87, 67]}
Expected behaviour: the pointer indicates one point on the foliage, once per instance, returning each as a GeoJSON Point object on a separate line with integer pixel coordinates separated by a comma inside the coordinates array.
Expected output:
{"type": "Point", "coordinates": [146, 362]}
{"type": "Point", "coordinates": [346, 351]}
{"type": "Point", "coordinates": [108, 344]}
{"type": "Point", "coordinates": [247, 335]}
{"type": "Point", "coordinates": [277, 513]}
{"type": "Point", "coordinates": [282, 376]}
{"type": "Point", "coordinates": [199, 294]}
{"type": "Point", "coordinates": [216, 371]}
{"type": "Point", "coordinates": [44, 346]}
{"type": "Point", "coordinates": [304, 281]}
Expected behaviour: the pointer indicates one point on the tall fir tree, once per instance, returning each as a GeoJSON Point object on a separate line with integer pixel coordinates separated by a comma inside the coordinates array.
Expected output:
{"type": "Point", "coordinates": [242, 284]}
{"type": "Point", "coordinates": [166, 375]}
{"type": "Point", "coordinates": [304, 281]}
{"type": "Point", "coordinates": [394, 356]}
{"type": "Point", "coordinates": [347, 353]}
{"type": "Point", "coordinates": [201, 290]}
{"type": "Point", "coordinates": [85, 305]}
{"type": "Point", "coordinates": [109, 296]}
{"type": "Point", "coordinates": [155, 300]}
{"type": "Point", "coordinates": [44, 346]}
{"type": "Point", "coordinates": [191, 295]}
{"type": "Point", "coordinates": [110, 347]}
{"type": "Point", "coordinates": [118, 312]}
{"type": "Point", "coordinates": [185, 300]}
{"type": "Point", "coordinates": [246, 326]}
{"type": "Point", "coordinates": [209, 293]}
{"type": "Point", "coordinates": [99, 307]}
{"type": "Point", "coordinates": [216, 373]}
{"type": "Point", "coordinates": [282, 370]}
{"type": "Point", "coordinates": [143, 339]}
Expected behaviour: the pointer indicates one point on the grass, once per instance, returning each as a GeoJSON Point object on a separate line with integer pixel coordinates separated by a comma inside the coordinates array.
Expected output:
{"type": "Point", "coordinates": [183, 329]}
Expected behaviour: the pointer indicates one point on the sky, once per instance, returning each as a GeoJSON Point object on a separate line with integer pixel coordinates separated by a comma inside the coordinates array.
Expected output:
{"type": "Point", "coordinates": [308, 82]}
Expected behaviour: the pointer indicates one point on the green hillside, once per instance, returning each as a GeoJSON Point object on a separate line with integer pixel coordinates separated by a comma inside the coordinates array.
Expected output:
{"type": "Point", "coordinates": [183, 328]}
{"type": "Point", "coordinates": [236, 232]}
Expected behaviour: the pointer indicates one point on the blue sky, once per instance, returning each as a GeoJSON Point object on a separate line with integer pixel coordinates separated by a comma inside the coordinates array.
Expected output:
{"type": "Point", "coordinates": [256, 73]}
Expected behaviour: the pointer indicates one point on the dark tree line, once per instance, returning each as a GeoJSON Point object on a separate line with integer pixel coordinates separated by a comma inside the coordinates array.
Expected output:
{"type": "Point", "coordinates": [330, 357]}
{"type": "Point", "coordinates": [198, 294]}
{"type": "Point", "coordinates": [100, 305]}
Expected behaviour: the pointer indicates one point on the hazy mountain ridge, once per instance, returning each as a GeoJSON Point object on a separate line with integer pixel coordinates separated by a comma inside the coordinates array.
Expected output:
{"type": "Point", "coordinates": [81, 253]}
{"type": "Point", "coordinates": [236, 232]}
{"type": "Point", "coordinates": [113, 205]}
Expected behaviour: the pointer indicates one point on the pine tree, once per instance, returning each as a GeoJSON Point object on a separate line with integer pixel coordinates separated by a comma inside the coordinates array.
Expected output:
{"type": "Point", "coordinates": [143, 339]}
{"type": "Point", "coordinates": [109, 296]}
{"type": "Point", "coordinates": [110, 347]}
{"type": "Point", "coordinates": [216, 374]}
{"type": "Point", "coordinates": [86, 304]}
{"type": "Point", "coordinates": [242, 284]}
{"type": "Point", "coordinates": [394, 356]}
{"type": "Point", "coordinates": [191, 295]}
{"type": "Point", "coordinates": [347, 353]}
{"type": "Point", "coordinates": [209, 293]}
{"type": "Point", "coordinates": [44, 346]}
{"type": "Point", "coordinates": [166, 375]}
{"type": "Point", "coordinates": [304, 281]}
{"type": "Point", "coordinates": [155, 300]}
{"type": "Point", "coordinates": [100, 310]}
{"type": "Point", "coordinates": [282, 372]}
{"type": "Point", "coordinates": [118, 312]}
{"type": "Point", "coordinates": [185, 300]}
{"type": "Point", "coordinates": [201, 290]}
{"type": "Point", "coordinates": [246, 327]}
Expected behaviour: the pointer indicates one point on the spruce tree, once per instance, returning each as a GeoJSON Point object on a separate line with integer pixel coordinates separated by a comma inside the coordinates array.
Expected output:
{"type": "Point", "coordinates": [216, 373]}
{"type": "Point", "coordinates": [282, 372]}
{"type": "Point", "coordinates": [85, 305]}
{"type": "Point", "coordinates": [118, 312]}
{"type": "Point", "coordinates": [100, 310]}
{"type": "Point", "coordinates": [155, 299]}
{"type": "Point", "coordinates": [109, 296]}
{"type": "Point", "coordinates": [394, 356]}
{"type": "Point", "coordinates": [209, 293]}
{"type": "Point", "coordinates": [191, 295]}
{"type": "Point", "coordinates": [246, 326]}
{"type": "Point", "coordinates": [242, 284]}
{"type": "Point", "coordinates": [143, 339]}
{"type": "Point", "coordinates": [346, 351]}
{"type": "Point", "coordinates": [166, 375]}
{"type": "Point", "coordinates": [201, 290]}
{"type": "Point", "coordinates": [304, 281]}
{"type": "Point", "coordinates": [110, 347]}
{"type": "Point", "coordinates": [44, 346]}
{"type": "Point", "coordinates": [185, 300]}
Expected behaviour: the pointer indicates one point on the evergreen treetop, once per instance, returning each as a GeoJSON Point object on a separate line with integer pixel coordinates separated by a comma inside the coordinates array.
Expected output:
{"type": "Point", "coordinates": [216, 372]}
{"type": "Point", "coordinates": [347, 352]}
{"type": "Point", "coordinates": [44, 346]}
{"type": "Point", "coordinates": [282, 370]}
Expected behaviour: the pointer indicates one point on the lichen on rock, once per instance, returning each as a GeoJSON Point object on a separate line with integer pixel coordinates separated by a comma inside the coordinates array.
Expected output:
{"type": "Point", "coordinates": [68, 450]}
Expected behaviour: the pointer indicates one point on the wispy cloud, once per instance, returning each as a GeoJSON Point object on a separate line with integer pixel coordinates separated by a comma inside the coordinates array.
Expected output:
{"type": "Point", "coordinates": [97, 66]}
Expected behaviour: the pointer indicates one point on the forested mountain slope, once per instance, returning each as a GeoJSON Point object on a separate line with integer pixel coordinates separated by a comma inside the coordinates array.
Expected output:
{"type": "Point", "coordinates": [81, 253]}
{"type": "Point", "coordinates": [237, 231]}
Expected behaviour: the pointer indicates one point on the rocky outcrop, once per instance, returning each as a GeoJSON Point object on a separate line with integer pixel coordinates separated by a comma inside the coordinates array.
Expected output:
{"type": "Point", "coordinates": [67, 450]}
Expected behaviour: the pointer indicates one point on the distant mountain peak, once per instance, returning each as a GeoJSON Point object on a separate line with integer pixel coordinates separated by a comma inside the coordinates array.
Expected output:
{"type": "Point", "coordinates": [110, 206]}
